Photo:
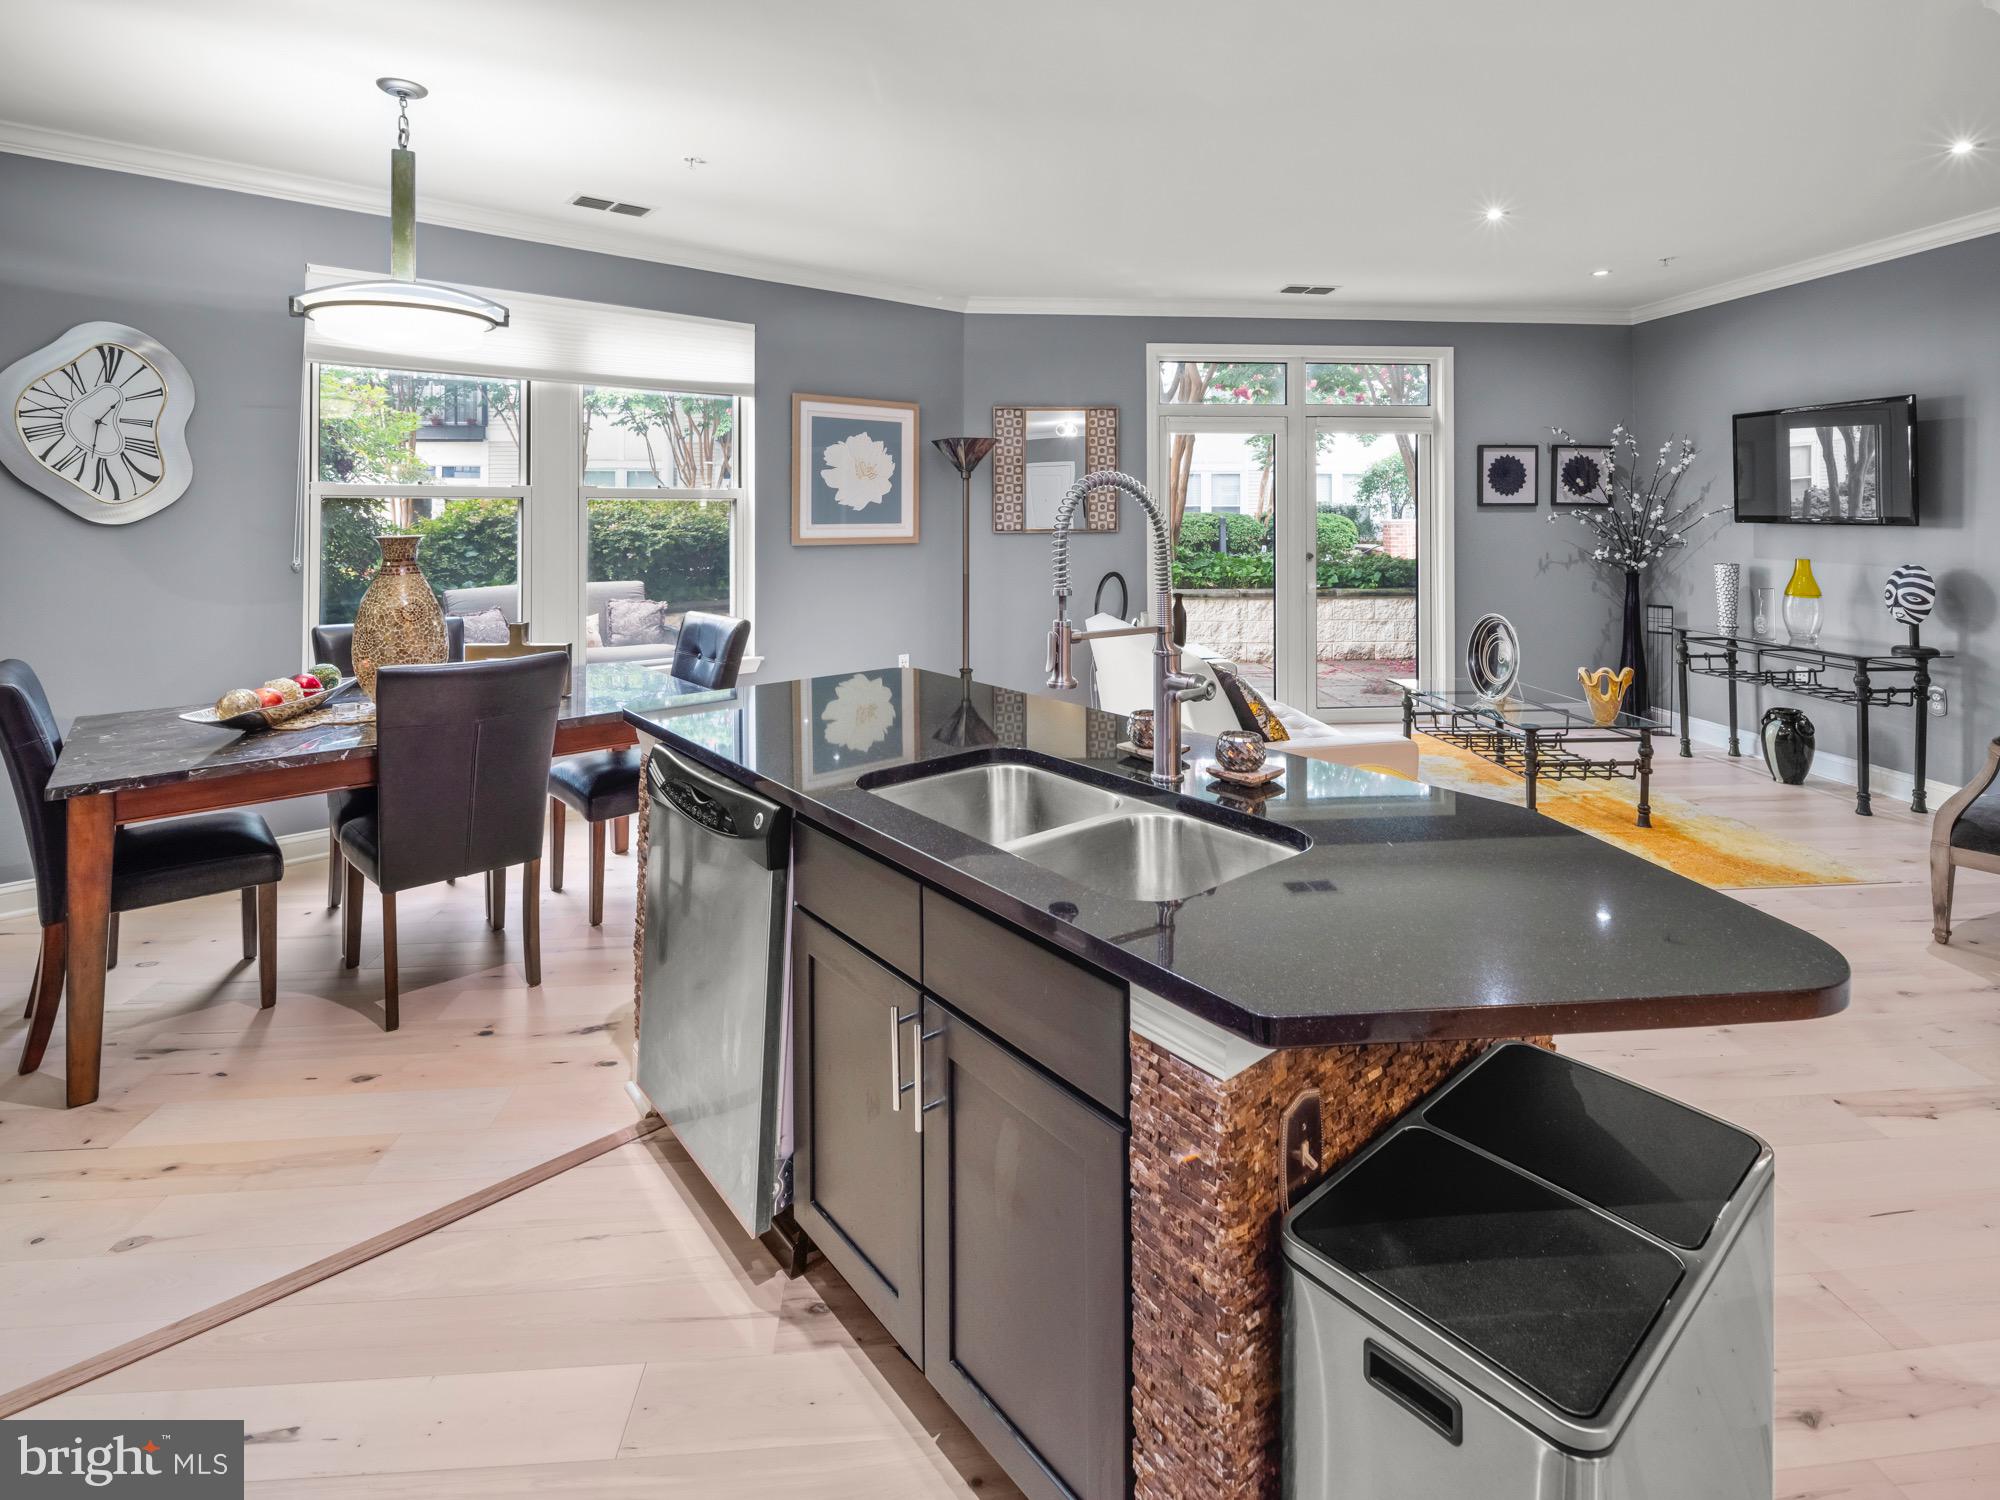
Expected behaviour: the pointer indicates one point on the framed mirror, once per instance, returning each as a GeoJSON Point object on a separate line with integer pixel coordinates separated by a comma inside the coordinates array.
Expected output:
{"type": "Point", "coordinates": [1042, 451]}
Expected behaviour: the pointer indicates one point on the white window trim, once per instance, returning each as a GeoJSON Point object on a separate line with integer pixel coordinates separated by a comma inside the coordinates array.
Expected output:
{"type": "Point", "coordinates": [555, 514]}
{"type": "Point", "coordinates": [1297, 423]}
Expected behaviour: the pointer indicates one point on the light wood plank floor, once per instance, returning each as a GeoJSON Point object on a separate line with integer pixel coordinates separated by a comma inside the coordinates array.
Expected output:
{"type": "Point", "coordinates": [604, 1333]}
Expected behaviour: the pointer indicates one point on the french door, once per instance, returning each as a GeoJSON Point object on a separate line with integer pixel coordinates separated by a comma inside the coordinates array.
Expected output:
{"type": "Point", "coordinates": [1312, 490]}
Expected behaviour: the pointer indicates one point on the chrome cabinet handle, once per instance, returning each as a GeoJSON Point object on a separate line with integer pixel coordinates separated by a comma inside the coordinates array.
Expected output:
{"type": "Point", "coordinates": [924, 1106]}
{"type": "Point", "coordinates": [898, 1088]}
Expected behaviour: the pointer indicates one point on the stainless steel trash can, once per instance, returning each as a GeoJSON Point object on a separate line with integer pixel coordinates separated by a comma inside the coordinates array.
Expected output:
{"type": "Point", "coordinates": [1544, 1283]}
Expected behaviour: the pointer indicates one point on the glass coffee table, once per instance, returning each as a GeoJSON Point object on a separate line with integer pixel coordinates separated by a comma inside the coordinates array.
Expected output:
{"type": "Point", "coordinates": [1538, 735]}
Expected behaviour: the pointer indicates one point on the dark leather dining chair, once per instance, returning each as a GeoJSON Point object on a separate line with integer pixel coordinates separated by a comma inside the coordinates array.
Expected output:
{"type": "Point", "coordinates": [461, 756]}
{"type": "Point", "coordinates": [604, 785]}
{"type": "Point", "coordinates": [335, 644]}
{"type": "Point", "coordinates": [152, 864]}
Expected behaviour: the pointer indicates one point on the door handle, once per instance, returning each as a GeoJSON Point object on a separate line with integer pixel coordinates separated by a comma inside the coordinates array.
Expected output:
{"type": "Point", "coordinates": [924, 1106]}
{"type": "Point", "coordinates": [898, 1088]}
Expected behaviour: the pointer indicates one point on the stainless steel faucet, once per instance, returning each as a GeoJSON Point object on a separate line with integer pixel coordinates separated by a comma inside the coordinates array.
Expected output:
{"type": "Point", "coordinates": [1171, 686]}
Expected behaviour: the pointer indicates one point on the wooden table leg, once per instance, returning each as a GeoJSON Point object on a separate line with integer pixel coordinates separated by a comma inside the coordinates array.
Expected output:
{"type": "Point", "coordinates": [531, 920]}
{"type": "Point", "coordinates": [91, 830]}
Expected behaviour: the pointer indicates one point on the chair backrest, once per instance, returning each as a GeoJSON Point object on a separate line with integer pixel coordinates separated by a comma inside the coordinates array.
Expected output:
{"type": "Point", "coordinates": [30, 741]}
{"type": "Point", "coordinates": [462, 757]}
{"type": "Point", "coordinates": [335, 643]}
{"type": "Point", "coordinates": [709, 649]}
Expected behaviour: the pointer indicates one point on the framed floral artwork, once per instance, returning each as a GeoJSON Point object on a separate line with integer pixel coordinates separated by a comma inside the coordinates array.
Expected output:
{"type": "Point", "coordinates": [854, 470]}
{"type": "Point", "coordinates": [1580, 474]}
{"type": "Point", "coordinates": [1509, 475]}
{"type": "Point", "coordinates": [851, 722]}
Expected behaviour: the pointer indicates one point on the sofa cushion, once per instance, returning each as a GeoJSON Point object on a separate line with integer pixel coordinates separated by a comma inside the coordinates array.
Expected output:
{"type": "Point", "coordinates": [486, 627]}
{"type": "Point", "coordinates": [636, 622]}
{"type": "Point", "coordinates": [1253, 710]}
{"type": "Point", "coordinates": [1978, 827]}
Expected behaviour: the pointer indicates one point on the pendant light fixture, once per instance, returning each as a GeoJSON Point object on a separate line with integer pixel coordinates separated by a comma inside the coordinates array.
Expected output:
{"type": "Point", "coordinates": [401, 310]}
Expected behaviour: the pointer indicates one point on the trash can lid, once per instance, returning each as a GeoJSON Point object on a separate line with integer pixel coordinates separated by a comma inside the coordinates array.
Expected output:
{"type": "Point", "coordinates": [1556, 1295]}
{"type": "Point", "coordinates": [1654, 1163]}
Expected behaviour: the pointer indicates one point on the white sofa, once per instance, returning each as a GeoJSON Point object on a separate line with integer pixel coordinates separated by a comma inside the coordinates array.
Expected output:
{"type": "Point", "coordinates": [506, 598]}
{"type": "Point", "coordinates": [1121, 671]}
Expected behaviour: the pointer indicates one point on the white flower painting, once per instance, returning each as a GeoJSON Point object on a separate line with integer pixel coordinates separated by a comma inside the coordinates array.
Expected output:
{"type": "Point", "coordinates": [861, 713]}
{"type": "Point", "coordinates": [853, 722]}
{"type": "Point", "coordinates": [855, 470]}
{"type": "Point", "coordinates": [858, 470]}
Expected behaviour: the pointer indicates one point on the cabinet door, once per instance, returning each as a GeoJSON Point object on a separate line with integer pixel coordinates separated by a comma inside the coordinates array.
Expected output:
{"type": "Point", "coordinates": [1025, 1266]}
{"type": "Point", "coordinates": [857, 1182]}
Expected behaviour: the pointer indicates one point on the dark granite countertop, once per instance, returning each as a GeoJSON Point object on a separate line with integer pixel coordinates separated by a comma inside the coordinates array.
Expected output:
{"type": "Point", "coordinates": [155, 747]}
{"type": "Point", "coordinates": [1417, 912]}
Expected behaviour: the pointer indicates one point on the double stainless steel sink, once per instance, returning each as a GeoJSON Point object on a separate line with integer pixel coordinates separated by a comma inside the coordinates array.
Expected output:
{"type": "Point", "coordinates": [1122, 846]}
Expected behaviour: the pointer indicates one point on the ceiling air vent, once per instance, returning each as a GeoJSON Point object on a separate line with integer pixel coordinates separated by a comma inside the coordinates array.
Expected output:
{"type": "Point", "coordinates": [607, 205]}
{"type": "Point", "coordinates": [1301, 289]}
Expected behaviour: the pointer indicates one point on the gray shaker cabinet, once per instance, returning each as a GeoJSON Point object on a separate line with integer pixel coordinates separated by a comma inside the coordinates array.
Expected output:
{"type": "Point", "coordinates": [857, 1182]}
{"type": "Point", "coordinates": [1025, 1322]}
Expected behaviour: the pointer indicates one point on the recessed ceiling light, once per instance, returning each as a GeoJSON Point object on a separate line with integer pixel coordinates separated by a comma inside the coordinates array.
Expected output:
{"type": "Point", "coordinates": [1495, 213]}
{"type": "Point", "coordinates": [1965, 145]}
{"type": "Point", "coordinates": [1602, 271]}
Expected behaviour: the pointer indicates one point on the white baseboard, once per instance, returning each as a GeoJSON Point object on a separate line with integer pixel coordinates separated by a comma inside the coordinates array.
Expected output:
{"type": "Point", "coordinates": [17, 897]}
{"type": "Point", "coordinates": [1882, 780]}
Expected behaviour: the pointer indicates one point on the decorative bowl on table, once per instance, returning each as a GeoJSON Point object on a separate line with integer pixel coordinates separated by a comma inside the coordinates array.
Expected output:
{"type": "Point", "coordinates": [267, 715]}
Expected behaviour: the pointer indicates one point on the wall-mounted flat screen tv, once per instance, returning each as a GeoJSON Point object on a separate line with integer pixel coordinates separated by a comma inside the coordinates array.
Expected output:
{"type": "Point", "coordinates": [1844, 463]}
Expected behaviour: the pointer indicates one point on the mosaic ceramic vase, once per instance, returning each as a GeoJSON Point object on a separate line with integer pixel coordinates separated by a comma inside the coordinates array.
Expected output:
{"type": "Point", "coordinates": [398, 621]}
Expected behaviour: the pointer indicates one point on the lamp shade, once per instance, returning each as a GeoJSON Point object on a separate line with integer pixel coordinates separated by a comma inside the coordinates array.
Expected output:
{"type": "Point", "coordinates": [965, 453]}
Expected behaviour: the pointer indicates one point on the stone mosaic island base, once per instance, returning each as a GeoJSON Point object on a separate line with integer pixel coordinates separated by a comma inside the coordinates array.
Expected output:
{"type": "Point", "coordinates": [1207, 1293]}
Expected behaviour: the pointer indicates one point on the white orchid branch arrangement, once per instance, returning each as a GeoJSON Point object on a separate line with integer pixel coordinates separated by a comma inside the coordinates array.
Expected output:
{"type": "Point", "coordinates": [1644, 520]}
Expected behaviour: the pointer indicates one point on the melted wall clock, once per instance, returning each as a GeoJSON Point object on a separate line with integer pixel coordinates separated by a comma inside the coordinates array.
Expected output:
{"type": "Point", "coordinates": [96, 420]}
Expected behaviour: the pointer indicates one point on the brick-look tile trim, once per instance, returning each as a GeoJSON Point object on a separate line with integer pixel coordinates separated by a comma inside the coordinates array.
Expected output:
{"type": "Point", "coordinates": [1206, 1283]}
{"type": "Point", "coordinates": [639, 840]}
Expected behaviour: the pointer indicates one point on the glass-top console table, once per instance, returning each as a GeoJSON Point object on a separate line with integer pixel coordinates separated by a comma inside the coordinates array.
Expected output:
{"type": "Point", "coordinates": [1856, 673]}
{"type": "Point", "coordinates": [1538, 735]}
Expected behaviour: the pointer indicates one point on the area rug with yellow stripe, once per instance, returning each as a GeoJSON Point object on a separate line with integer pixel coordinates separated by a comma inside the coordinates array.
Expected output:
{"type": "Point", "coordinates": [1715, 850]}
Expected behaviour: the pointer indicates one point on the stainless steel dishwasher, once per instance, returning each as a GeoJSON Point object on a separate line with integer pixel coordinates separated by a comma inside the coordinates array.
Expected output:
{"type": "Point", "coordinates": [713, 1054]}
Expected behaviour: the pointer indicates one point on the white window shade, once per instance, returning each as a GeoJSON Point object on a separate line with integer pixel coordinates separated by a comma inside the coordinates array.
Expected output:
{"type": "Point", "coordinates": [557, 338]}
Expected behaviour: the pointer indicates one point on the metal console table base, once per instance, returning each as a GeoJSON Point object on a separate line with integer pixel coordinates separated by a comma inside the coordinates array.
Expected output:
{"type": "Point", "coordinates": [1803, 670]}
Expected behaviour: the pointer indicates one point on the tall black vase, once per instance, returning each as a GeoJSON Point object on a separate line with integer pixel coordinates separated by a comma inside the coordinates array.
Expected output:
{"type": "Point", "coordinates": [1632, 652]}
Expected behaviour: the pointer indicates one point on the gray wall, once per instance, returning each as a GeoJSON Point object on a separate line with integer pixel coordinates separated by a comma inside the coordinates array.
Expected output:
{"type": "Point", "coordinates": [1925, 323]}
{"type": "Point", "coordinates": [176, 607]}
{"type": "Point", "coordinates": [1513, 382]}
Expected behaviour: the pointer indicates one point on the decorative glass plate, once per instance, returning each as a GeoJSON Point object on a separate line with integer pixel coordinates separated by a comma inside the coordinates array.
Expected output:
{"type": "Point", "coordinates": [1493, 656]}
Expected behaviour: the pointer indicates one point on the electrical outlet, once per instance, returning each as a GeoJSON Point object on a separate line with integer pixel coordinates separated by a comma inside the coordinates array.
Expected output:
{"type": "Point", "coordinates": [903, 660]}
{"type": "Point", "coordinates": [1940, 703]}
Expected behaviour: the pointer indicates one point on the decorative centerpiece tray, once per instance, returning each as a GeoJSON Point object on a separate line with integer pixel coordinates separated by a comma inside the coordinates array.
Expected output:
{"type": "Point", "coordinates": [266, 718]}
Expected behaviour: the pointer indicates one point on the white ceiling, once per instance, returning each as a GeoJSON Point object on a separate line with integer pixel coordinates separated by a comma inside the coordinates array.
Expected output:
{"type": "Point", "coordinates": [1110, 155]}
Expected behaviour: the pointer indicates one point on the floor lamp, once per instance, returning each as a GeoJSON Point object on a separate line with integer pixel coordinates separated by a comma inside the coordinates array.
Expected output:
{"type": "Point", "coordinates": [965, 726]}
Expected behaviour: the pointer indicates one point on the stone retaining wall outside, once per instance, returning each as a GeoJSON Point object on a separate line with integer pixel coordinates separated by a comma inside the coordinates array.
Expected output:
{"type": "Point", "coordinates": [1354, 624]}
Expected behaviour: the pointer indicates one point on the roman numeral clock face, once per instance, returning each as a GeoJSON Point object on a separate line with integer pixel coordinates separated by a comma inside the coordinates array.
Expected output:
{"type": "Point", "coordinates": [94, 422]}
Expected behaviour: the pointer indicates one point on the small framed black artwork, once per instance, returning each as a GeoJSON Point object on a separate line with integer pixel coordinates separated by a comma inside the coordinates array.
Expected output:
{"type": "Point", "coordinates": [1579, 474]}
{"type": "Point", "coordinates": [1508, 475]}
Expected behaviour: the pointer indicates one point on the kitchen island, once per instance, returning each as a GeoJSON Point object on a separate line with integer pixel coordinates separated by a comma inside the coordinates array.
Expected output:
{"type": "Point", "coordinates": [1266, 1029]}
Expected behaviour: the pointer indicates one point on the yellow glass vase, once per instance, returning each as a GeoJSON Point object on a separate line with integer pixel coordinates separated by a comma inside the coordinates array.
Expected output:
{"type": "Point", "coordinates": [1801, 608]}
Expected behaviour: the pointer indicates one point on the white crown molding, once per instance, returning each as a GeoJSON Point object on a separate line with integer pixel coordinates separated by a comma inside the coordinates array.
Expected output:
{"type": "Point", "coordinates": [1321, 309]}
{"type": "Point", "coordinates": [1895, 247]}
{"type": "Point", "coordinates": [202, 171]}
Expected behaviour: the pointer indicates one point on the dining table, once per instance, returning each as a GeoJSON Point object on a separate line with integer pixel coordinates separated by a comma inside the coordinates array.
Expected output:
{"type": "Point", "coordinates": [133, 766]}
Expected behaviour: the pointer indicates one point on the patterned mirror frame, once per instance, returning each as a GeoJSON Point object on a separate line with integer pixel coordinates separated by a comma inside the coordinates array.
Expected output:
{"type": "Point", "coordinates": [1010, 465]}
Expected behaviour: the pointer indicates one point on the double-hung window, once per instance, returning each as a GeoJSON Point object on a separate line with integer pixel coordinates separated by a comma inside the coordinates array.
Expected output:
{"type": "Point", "coordinates": [584, 471]}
